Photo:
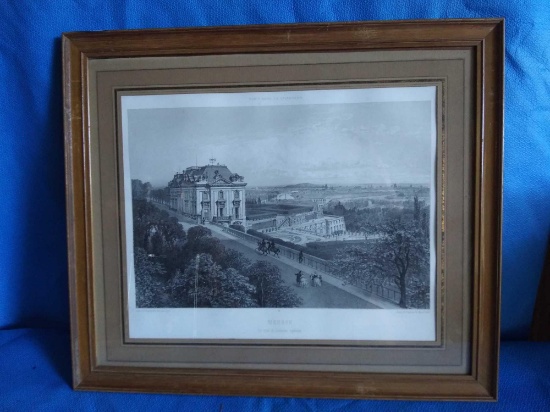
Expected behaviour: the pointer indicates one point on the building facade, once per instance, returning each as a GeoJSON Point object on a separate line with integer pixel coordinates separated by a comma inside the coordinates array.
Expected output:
{"type": "Point", "coordinates": [209, 193]}
{"type": "Point", "coordinates": [312, 221]}
{"type": "Point", "coordinates": [320, 226]}
{"type": "Point", "coordinates": [323, 226]}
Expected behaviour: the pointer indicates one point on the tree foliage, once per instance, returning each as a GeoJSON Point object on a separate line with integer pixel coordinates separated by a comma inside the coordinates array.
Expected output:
{"type": "Point", "coordinates": [154, 229]}
{"type": "Point", "coordinates": [399, 257]}
{"type": "Point", "coordinates": [168, 261]}
{"type": "Point", "coordinates": [196, 232]}
{"type": "Point", "coordinates": [148, 277]}
{"type": "Point", "coordinates": [236, 260]}
{"type": "Point", "coordinates": [161, 195]}
{"type": "Point", "coordinates": [205, 244]}
{"type": "Point", "coordinates": [271, 292]}
{"type": "Point", "coordinates": [140, 190]}
{"type": "Point", "coordinates": [204, 284]}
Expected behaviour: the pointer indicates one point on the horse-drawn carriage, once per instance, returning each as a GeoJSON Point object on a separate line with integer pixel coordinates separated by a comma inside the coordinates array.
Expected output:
{"type": "Point", "coordinates": [268, 247]}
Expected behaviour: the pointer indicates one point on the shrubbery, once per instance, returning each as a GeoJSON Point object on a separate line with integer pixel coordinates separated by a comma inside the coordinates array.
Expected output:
{"type": "Point", "coordinates": [177, 269]}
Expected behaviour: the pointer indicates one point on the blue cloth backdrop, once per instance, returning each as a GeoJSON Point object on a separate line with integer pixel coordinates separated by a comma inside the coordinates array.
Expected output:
{"type": "Point", "coordinates": [34, 369]}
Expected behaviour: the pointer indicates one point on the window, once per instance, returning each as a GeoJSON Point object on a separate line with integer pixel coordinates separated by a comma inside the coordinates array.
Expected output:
{"type": "Point", "coordinates": [220, 194]}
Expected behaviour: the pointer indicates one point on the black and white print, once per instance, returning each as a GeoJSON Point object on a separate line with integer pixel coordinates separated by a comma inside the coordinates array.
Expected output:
{"type": "Point", "coordinates": [281, 202]}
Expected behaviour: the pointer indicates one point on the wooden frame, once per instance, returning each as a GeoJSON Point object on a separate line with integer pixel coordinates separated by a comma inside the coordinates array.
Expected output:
{"type": "Point", "coordinates": [473, 226]}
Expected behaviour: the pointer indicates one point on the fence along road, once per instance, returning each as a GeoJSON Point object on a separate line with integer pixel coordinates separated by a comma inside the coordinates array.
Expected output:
{"type": "Point", "coordinates": [378, 295]}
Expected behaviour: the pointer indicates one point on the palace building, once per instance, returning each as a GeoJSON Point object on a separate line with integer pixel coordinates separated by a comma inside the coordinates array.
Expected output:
{"type": "Point", "coordinates": [209, 193]}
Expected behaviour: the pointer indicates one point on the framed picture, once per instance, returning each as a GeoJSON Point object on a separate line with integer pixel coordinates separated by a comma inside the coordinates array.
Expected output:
{"type": "Point", "coordinates": [292, 210]}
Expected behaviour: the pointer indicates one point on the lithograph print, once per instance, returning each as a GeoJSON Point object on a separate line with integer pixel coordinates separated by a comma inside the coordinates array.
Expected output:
{"type": "Point", "coordinates": [281, 215]}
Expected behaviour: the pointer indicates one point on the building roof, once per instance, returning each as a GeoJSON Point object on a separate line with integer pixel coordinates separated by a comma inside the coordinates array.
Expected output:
{"type": "Point", "coordinates": [209, 174]}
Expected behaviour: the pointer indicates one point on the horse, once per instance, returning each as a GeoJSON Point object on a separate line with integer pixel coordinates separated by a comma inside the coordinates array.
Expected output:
{"type": "Point", "coordinates": [263, 248]}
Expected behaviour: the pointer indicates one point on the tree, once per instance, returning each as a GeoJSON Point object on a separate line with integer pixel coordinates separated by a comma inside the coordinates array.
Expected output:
{"type": "Point", "coordinates": [204, 284]}
{"type": "Point", "coordinates": [234, 259]}
{"type": "Point", "coordinates": [161, 236]}
{"type": "Point", "coordinates": [204, 244]}
{"type": "Point", "coordinates": [271, 291]}
{"type": "Point", "coordinates": [140, 190]}
{"type": "Point", "coordinates": [339, 210]}
{"type": "Point", "coordinates": [416, 208]}
{"type": "Point", "coordinates": [149, 221]}
{"type": "Point", "coordinates": [149, 286]}
{"type": "Point", "coordinates": [425, 222]}
{"type": "Point", "coordinates": [196, 232]}
{"type": "Point", "coordinates": [161, 195]}
{"type": "Point", "coordinates": [157, 243]}
{"type": "Point", "coordinates": [174, 259]}
{"type": "Point", "coordinates": [399, 256]}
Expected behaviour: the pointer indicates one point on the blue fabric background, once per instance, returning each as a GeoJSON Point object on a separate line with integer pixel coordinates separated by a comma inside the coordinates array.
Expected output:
{"type": "Point", "coordinates": [34, 346]}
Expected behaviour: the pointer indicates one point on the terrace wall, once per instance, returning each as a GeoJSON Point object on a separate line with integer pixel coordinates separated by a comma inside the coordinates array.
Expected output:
{"type": "Point", "coordinates": [318, 264]}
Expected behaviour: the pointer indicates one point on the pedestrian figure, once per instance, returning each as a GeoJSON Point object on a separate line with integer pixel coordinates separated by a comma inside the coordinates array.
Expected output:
{"type": "Point", "coordinates": [315, 280]}
{"type": "Point", "coordinates": [301, 257]}
{"type": "Point", "coordinates": [299, 278]}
